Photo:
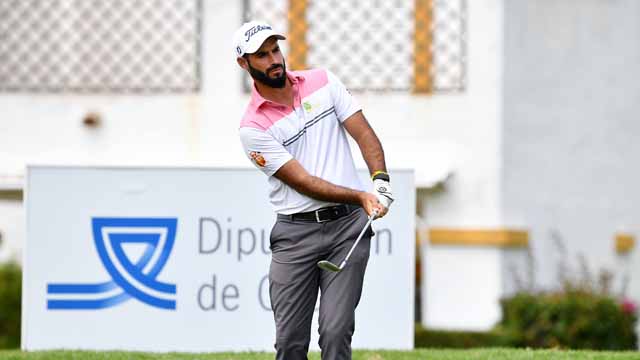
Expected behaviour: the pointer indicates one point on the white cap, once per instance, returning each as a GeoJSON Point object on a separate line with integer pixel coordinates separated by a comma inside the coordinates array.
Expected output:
{"type": "Point", "coordinates": [250, 36]}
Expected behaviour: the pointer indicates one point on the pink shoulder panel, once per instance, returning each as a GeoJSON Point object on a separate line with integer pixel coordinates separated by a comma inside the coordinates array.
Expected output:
{"type": "Point", "coordinates": [314, 80]}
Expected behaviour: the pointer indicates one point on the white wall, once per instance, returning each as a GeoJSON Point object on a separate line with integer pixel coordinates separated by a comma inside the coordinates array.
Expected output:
{"type": "Point", "coordinates": [462, 285]}
{"type": "Point", "coordinates": [462, 130]}
{"type": "Point", "coordinates": [12, 229]}
{"type": "Point", "coordinates": [571, 129]}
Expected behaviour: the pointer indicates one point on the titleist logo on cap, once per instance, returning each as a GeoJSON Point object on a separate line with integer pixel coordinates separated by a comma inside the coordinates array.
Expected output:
{"type": "Point", "coordinates": [252, 31]}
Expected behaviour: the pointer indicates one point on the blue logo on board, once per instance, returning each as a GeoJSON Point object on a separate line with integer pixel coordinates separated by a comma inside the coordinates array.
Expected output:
{"type": "Point", "coordinates": [129, 278]}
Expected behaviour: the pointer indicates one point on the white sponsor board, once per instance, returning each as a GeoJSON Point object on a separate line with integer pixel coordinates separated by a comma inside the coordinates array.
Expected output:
{"type": "Point", "coordinates": [176, 259]}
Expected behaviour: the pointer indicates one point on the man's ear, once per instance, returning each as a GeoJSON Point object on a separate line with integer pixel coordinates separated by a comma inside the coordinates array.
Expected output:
{"type": "Point", "coordinates": [242, 62]}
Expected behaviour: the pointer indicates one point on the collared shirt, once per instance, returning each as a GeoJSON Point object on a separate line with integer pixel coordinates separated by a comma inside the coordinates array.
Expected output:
{"type": "Point", "coordinates": [311, 132]}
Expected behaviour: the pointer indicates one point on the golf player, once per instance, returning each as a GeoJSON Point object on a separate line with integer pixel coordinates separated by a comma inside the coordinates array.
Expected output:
{"type": "Point", "coordinates": [295, 131]}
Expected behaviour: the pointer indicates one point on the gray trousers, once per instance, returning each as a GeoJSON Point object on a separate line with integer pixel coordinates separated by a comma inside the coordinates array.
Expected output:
{"type": "Point", "coordinates": [294, 281]}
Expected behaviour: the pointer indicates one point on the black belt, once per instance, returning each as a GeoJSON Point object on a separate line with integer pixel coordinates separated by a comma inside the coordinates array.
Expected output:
{"type": "Point", "coordinates": [321, 215]}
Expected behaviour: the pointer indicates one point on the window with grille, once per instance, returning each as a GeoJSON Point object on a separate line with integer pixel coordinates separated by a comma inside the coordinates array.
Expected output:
{"type": "Point", "coordinates": [374, 45]}
{"type": "Point", "coordinates": [98, 46]}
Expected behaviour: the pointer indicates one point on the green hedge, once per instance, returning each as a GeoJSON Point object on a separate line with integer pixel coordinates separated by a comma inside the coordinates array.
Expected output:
{"type": "Point", "coordinates": [428, 338]}
{"type": "Point", "coordinates": [10, 305]}
{"type": "Point", "coordinates": [573, 319]}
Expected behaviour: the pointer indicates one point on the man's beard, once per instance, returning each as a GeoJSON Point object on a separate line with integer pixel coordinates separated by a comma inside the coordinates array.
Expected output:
{"type": "Point", "coordinates": [262, 77]}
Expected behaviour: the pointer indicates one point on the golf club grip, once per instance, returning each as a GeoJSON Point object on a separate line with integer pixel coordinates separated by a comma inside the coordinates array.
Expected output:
{"type": "Point", "coordinates": [358, 239]}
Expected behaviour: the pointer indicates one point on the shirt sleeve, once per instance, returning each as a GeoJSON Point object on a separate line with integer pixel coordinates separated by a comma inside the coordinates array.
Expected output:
{"type": "Point", "coordinates": [263, 150]}
{"type": "Point", "coordinates": [344, 103]}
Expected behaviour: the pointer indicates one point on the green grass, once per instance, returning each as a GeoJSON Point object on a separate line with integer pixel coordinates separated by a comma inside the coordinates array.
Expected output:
{"type": "Point", "coordinates": [420, 354]}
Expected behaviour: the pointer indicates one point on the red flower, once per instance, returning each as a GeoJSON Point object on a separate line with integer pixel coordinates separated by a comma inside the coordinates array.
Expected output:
{"type": "Point", "coordinates": [628, 307]}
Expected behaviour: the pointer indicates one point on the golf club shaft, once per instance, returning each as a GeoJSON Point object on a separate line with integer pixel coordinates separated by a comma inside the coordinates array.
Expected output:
{"type": "Point", "coordinates": [344, 262]}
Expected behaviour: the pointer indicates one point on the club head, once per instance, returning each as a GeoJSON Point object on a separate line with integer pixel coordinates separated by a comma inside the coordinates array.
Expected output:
{"type": "Point", "coordinates": [328, 265]}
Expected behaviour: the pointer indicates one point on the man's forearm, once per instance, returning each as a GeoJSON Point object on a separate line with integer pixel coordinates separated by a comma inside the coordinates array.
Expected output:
{"type": "Point", "coordinates": [323, 190]}
{"type": "Point", "coordinates": [367, 140]}
{"type": "Point", "coordinates": [372, 152]}
{"type": "Point", "coordinates": [371, 148]}
{"type": "Point", "coordinates": [294, 175]}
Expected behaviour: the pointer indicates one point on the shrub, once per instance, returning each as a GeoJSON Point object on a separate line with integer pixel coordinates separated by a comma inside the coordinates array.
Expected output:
{"type": "Point", "coordinates": [573, 318]}
{"type": "Point", "coordinates": [10, 306]}
{"type": "Point", "coordinates": [582, 313]}
{"type": "Point", "coordinates": [427, 338]}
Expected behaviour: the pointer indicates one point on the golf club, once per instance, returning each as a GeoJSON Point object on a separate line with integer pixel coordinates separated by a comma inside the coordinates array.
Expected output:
{"type": "Point", "coordinates": [329, 266]}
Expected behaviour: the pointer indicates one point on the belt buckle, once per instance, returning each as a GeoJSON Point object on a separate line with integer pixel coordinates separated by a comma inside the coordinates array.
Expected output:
{"type": "Point", "coordinates": [317, 212]}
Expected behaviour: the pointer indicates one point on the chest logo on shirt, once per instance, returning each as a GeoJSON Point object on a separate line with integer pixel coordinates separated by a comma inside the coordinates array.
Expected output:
{"type": "Point", "coordinates": [307, 106]}
{"type": "Point", "coordinates": [258, 158]}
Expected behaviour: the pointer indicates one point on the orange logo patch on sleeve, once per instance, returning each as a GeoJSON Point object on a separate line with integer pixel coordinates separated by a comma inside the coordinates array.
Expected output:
{"type": "Point", "coordinates": [258, 158]}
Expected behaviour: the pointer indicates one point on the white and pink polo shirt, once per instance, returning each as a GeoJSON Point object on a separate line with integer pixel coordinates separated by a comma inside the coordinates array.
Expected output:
{"type": "Point", "coordinates": [311, 132]}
